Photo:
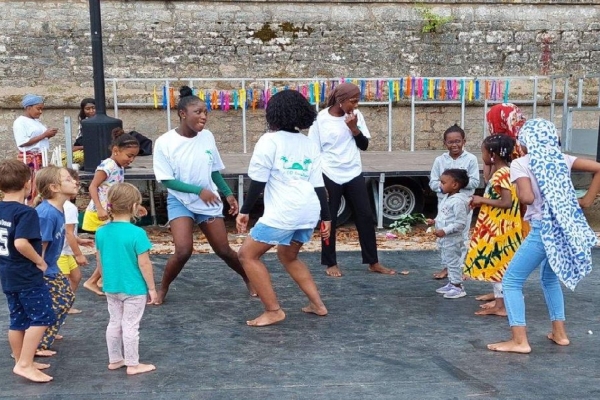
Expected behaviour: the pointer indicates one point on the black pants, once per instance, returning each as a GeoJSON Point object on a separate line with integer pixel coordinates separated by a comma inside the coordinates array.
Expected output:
{"type": "Point", "coordinates": [356, 194]}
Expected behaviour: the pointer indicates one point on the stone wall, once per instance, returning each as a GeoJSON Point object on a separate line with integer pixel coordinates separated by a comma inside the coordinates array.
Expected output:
{"type": "Point", "coordinates": [45, 48]}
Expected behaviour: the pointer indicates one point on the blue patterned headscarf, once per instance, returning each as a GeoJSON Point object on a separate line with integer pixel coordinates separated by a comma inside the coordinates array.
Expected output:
{"type": "Point", "coordinates": [31, 100]}
{"type": "Point", "coordinates": [567, 237]}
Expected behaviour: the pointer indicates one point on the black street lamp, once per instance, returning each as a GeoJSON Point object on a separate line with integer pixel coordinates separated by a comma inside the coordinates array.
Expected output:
{"type": "Point", "coordinates": [96, 130]}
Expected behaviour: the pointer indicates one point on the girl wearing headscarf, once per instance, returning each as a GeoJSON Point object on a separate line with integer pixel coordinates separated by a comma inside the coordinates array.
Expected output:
{"type": "Point", "coordinates": [339, 132]}
{"type": "Point", "coordinates": [560, 240]}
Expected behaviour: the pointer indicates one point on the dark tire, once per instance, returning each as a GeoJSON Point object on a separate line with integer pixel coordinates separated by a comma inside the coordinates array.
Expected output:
{"type": "Point", "coordinates": [401, 197]}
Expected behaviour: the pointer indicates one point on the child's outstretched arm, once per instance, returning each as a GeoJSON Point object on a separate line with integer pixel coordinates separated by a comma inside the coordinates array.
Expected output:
{"type": "Point", "coordinates": [146, 268]}
{"type": "Point", "coordinates": [26, 249]}
{"type": "Point", "coordinates": [581, 164]}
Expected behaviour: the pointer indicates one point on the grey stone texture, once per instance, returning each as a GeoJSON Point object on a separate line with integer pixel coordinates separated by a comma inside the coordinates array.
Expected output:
{"type": "Point", "coordinates": [45, 48]}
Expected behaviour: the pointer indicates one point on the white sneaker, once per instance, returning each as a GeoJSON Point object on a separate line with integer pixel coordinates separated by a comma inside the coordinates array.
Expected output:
{"type": "Point", "coordinates": [444, 289]}
{"type": "Point", "coordinates": [455, 292]}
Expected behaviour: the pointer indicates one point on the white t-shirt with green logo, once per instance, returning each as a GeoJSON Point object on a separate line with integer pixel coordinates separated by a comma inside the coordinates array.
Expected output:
{"type": "Point", "coordinates": [290, 164]}
{"type": "Point", "coordinates": [192, 161]}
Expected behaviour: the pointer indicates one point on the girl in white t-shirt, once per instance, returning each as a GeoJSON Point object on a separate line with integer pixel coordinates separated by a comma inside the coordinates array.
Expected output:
{"type": "Point", "coordinates": [560, 240]}
{"type": "Point", "coordinates": [187, 163]}
{"type": "Point", "coordinates": [286, 165]}
{"type": "Point", "coordinates": [339, 132]}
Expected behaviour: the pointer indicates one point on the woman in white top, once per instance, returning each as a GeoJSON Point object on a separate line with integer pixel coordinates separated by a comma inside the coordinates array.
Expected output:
{"type": "Point", "coordinates": [187, 163]}
{"type": "Point", "coordinates": [340, 131]}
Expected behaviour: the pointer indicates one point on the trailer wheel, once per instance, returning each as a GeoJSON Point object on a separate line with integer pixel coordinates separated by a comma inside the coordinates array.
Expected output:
{"type": "Point", "coordinates": [344, 212]}
{"type": "Point", "coordinates": [401, 197]}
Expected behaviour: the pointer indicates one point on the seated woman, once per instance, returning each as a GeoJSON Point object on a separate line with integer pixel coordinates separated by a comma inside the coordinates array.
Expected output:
{"type": "Point", "coordinates": [87, 109]}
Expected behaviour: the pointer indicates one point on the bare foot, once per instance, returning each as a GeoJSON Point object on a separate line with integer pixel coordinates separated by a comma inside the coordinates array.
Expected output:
{"type": "Point", "coordinates": [251, 290]}
{"type": "Point", "coordinates": [510, 347]}
{"type": "Point", "coordinates": [117, 365]}
{"type": "Point", "coordinates": [267, 318]}
{"type": "Point", "coordinates": [489, 304]}
{"type": "Point", "coordinates": [486, 297]}
{"type": "Point", "coordinates": [40, 366]}
{"type": "Point", "coordinates": [561, 340]}
{"type": "Point", "coordinates": [501, 311]}
{"type": "Point", "coordinates": [74, 311]}
{"type": "Point", "coordinates": [380, 269]}
{"type": "Point", "coordinates": [314, 309]}
{"type": "Point", "coordinates": [32, 373]}
{"type": "Point", "coordinates": [334, 271]}
{"type": "Point", "coordinates": [441, 275]}
{"type": "Point", "coordinates": [45, 353]}
{"type": "Point", "coordinates": [58, 337]}
{"type": "Point", "coordinates": [93, 287]}
{"type": "Point", "coordinates": [140, 369]}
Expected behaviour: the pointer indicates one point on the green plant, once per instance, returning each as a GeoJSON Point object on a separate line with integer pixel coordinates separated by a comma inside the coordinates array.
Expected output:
{"type": "Point", "coordinates": [432, 21]}
{"type": "Point", "coordinates": [404, 224]}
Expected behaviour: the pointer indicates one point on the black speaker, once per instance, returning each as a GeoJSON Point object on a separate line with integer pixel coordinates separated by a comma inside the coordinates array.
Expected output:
{"type": "Point", "coordinates": [96, 138]}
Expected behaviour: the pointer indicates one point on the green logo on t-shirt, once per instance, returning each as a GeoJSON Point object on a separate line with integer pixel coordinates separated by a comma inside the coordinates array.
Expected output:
{"type": "Point", "coordinates": [296, 166]}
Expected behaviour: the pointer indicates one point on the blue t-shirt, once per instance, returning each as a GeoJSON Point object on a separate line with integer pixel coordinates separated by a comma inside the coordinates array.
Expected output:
{"type": "Point", "coordinates": [52, 224]}
{"type": "Point", "coordinates": [18, 221]}
{"type": "Point", "coordinates": [119, 244]}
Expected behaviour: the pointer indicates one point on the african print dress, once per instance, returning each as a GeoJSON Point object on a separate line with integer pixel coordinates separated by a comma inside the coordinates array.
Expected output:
{"type": "Point", "coordinates": [498, 233]}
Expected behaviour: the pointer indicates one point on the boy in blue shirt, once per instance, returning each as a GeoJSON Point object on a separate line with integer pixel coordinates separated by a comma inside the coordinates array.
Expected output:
{"type": "Point", "coordinates": [22, 271]}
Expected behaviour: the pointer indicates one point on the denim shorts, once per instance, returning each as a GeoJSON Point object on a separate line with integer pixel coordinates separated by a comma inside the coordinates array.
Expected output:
{"type": "Point", "coordinates": [265, 234]}
{"type": "Point", "coordinates": [30, 307]}
{"type": "Point", "coordinates": [176, 209]}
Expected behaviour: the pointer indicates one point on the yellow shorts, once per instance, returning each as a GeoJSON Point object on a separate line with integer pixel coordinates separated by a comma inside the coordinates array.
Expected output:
{"type": "Point", "coordinates": [91, 222]}
{"type": "Point", "coordinates": [66, 264]}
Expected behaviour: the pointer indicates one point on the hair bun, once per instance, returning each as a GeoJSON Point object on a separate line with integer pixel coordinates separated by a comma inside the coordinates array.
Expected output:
{"type": "Point", "coordinates": [185, 91]}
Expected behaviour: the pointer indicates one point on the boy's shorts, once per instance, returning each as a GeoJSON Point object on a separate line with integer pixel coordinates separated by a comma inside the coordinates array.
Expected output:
{"type": "Point", "coordinates": [30, 307]}
{"type": "Point", "coordinates": [265, 234]}
{"type": "Point", "coordinates": [91, 222]}
{"type": "Point", "coordinates": [66, 264]}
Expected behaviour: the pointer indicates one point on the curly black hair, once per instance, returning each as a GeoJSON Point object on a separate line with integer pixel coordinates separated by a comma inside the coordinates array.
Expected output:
{"type": "Point", "coordinates": [459, 175]}
{"type": "Point", "coordinates": [288, 110]}
{"type": "Point", "coordinates": [500, 145]}
{"type": "Point", "coordinates": [454, 128]}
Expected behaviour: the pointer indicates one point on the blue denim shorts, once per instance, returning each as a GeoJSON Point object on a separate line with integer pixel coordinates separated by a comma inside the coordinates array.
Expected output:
{"type": "Point", "coordinates": [265, 234]}
{"type": "Point", "coordinates": [30, 307]}
{"type": "Point", "coordinates": [176, 209]}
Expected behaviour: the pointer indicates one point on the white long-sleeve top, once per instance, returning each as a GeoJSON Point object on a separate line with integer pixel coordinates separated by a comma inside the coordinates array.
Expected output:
{"type": "Point", "coordinates": [466, 161]}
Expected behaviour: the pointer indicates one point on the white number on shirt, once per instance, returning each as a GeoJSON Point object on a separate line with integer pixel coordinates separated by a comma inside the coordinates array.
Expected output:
{"type": "Point", "coordinates": [3, 242]}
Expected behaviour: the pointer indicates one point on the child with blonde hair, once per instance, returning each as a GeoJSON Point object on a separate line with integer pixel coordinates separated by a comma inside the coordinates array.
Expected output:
{"type": "Point", "coordinates": [128, 278]}
{"type": "Point", "coordinates": [22, 271]}
{"type": "Point", "coordinates": [55, 187]}
{"type": "Point", "coordinates": [71, 256]}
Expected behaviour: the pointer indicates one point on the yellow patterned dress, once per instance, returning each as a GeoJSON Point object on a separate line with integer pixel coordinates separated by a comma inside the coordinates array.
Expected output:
{"type": "Point", "coordinates": [497, 235]}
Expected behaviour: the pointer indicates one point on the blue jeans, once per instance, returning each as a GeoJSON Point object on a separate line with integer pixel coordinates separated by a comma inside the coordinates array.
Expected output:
{"type": "Point", "coordinates": [528, 257]}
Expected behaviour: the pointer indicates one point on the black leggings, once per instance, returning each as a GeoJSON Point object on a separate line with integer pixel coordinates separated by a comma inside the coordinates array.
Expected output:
{"type": "Point", "coordinates": [355, 192]}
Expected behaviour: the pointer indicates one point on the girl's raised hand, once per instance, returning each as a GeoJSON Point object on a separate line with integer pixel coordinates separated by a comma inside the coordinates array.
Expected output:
{"type": "Point", "coordinates": [209, 197]}
{"type": "Point", "coordinates": [351, 121]}
{"type": "Point", "coordinates": [241, 222]}
{"type": "Point", "coordinates": [234, 207]}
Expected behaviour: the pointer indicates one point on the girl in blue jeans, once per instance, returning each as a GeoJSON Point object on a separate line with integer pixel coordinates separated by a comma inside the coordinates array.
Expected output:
{"type": "Point", "coordinates": [560, 240]}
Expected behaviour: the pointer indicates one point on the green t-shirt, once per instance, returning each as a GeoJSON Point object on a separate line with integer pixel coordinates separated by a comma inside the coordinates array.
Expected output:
{"type": "Point", "coordinates": [119, 244]}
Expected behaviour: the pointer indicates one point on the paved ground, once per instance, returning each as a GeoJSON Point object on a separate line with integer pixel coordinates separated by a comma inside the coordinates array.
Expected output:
{"type": "Point", "coordinates": [385, 338]}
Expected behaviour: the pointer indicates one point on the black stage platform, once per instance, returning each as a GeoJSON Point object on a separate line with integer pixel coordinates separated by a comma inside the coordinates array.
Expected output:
{"type": "Point", "coordinates": [386, 337]}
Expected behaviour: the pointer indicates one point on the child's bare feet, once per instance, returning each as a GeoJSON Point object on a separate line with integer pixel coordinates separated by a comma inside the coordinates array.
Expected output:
{"type": "Point", "coordinates": [93, 287]}
{"type": "Point", "coordinates": [441, 275]}
{"type": "Point", "coordinates": [334, 271]}
{"type": "Point", "coordinates": [380, 269]}
{"type": "Point", "coordinates": [486, 297]}
{"type": "Point", "coordinates": [40, 366]}
{"type": "Point", "coordinates": [314, 309]}
{"type": "Point", "coordinates": [501, 311]}
{"type": "Point", "coordinates": [74, 311]}
{"type": "Point", "coordinates": [58, 337]}
{"type": "Point", "coordinates": [45, 353]}
{"type": "Point", "coordinates": [267, 318]}
{"type": "Point", "coordinates": [559, 339]}
{"type": "Point", "coordinates": [117, 365]}
{"type": "Point", "coordinates": [32, 373]}
{"type": "Point", "coordinates": [510, 346]}
{"type": "Point", "coordinates": [140, 369]}
{"type": "Point", "coordinates": [489, 304]}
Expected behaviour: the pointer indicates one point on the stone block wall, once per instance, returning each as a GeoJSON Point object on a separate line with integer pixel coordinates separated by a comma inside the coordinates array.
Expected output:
{"type": "Point", "coordinates": [45, 48]}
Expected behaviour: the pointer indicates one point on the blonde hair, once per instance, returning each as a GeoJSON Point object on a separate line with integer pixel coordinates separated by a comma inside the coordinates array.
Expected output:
{"type": "Point", "coordinates": [44, 178]}
{"type": "Point", "coordinates": [121, 198]}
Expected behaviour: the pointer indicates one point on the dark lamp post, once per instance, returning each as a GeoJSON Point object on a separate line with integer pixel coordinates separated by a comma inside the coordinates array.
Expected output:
{"type": "Point", "coordinates": [96, 131]}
